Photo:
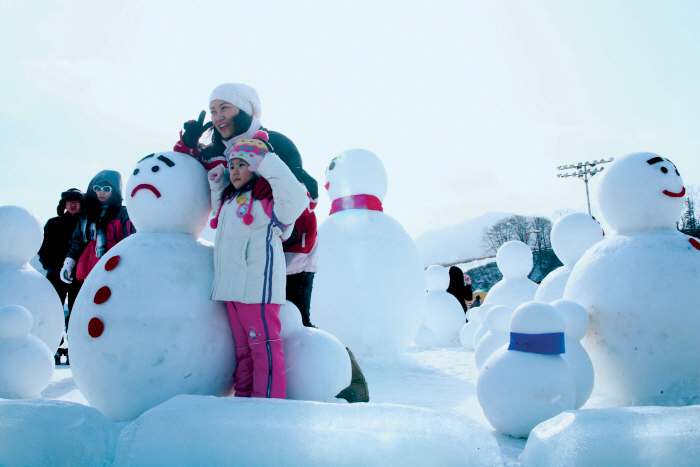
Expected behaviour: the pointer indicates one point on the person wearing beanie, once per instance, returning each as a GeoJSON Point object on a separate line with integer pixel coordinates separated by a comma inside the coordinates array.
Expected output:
{"type": "Point", "coordinates": [103, 224]}
{"type": "Point", "coordinates": [256, 204]}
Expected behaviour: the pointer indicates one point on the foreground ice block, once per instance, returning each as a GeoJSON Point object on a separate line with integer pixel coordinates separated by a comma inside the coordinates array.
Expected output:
{"type": "Point", "coordinates": [205, 430]}
{"type": "Point", "coordinates": [626, 436]}
{"type": "Point", "coordinates": [55, 433]}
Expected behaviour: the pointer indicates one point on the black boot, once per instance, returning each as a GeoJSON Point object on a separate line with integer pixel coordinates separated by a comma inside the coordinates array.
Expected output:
{"type": "Point", "coordinates": [57, 359]}
{"type": "Point", "coordinates": [358, 390]}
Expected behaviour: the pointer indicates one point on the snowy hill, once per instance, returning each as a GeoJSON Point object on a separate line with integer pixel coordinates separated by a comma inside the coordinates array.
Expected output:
{"type": "Point", "coordinates": [458, 243]}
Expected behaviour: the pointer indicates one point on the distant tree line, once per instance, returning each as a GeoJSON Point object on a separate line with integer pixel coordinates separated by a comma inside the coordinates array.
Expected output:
{"type": "Point", "coordinates": [689, 222]}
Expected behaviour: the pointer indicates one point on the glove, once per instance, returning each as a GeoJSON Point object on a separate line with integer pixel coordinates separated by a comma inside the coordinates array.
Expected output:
{"type": "Point", "coordinates": [67, 270]}
{"type": "Point", "coordinates": [194, 130]}
{"type": "Point", "coordinates": [217, 178]}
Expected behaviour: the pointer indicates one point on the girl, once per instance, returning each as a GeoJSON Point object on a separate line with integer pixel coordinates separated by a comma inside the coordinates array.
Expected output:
{"type": "Point", "coordinates": [254, 212]}
{"type": "Point", "coordinates": [104, 224]}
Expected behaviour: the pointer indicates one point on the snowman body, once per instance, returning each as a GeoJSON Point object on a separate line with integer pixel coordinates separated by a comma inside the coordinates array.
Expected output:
{"type": "Point", "coordinates": [639, 286]}
{"type": "Point", "coordinates": [21, 284]}
{"type": "Point", "coordinates": [144, 328]}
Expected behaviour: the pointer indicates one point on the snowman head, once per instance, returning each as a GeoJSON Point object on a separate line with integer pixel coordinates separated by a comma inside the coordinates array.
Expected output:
{"type": "Point", "coordinates": [437, 278]}
{"type": "Point", "coordinates": [356, 172]}
{"type": "Point", "coordinates": [514, 259]}
{"type": "Point", "coordinates": [641, 191]}
{"type": "Point", "coordinates": [573, 234]}
{"type": "Point", "coordinates": [20, 235]}
{"type": "Point", "coordinates": [168, 192]}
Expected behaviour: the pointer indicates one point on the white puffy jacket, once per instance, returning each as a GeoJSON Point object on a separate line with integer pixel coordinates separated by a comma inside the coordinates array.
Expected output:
{"type": "Point", "coordinates": [249, 265]}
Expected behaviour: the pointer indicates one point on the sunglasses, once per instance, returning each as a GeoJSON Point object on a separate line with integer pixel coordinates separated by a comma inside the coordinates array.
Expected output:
{"type": "Point", "coordinates": [106, 188]}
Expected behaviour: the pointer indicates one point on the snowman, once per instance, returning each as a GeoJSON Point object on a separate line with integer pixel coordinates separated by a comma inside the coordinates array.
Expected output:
{"type": "Point", "coordinates": [143, 327]}
{"type": "Point", "coordinates": [21, 284]}
{"type": "Point", "coordinates": [514, 260]}
{"type": "Point", "coordinates": [27, 363]}
{"type": "Point", "coordinates": [640, 287]}
{"type": "Point", "coordinates": [571, 236]}
{"type": "Point", "coordinates": [497, 325]}
{"type": "Point", "coordinates": [444, 317]}
{"type": "Point", "coordinates": [529, 381]}
{"type": "Point", "coordinates": [369, 287]}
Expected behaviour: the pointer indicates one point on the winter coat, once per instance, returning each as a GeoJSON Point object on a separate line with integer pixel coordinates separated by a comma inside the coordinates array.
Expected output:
{"type": "Point", "coordinates": [110, 221]}
{"type": "Point", "coordinates": [458, 289]}
{"type": "Point", "coordinates": [58, 232]}
{"type": "Point", "coordinates": [249, 264]}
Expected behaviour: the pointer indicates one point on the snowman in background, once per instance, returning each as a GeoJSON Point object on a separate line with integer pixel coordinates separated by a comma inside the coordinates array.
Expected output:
{"type": "Point", "coordinates": [21, 284]}
{"type": "Point", "coordinates": [640, 287]}
{"type": "Point", "coordinates": [571, 236]}
{"type": "Point", "coordinates": [369, 288]}
{"type": "Point", "coordinates": [497, 325]}
{"type": "Point", "coordinates": [143, 327]}
{"type": "Point", "coordinates": [514, 260]}
{"type": "Point", "coordinates": [443, 316]}
{"type": "Point", "coordinates": [27, 363]}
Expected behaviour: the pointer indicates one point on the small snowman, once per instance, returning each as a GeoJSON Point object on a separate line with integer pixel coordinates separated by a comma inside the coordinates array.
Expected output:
{"type": "Point", "coordinates": [514, 260]}
{"type": "Point", "coordinates": [529, 381]}
{"type": "Point", "coordinates": [21, 284]}
{"type": "Point", "coordinates": [571, 236]}
{"type": "Point", "coordinates": [143, 328]}
{"type": "Point", "coordinates": [444, 316]}
{"type": "Point", "coordinates": [640, 288]}
{"type": "Point", "coordinates": [576, 325]}
{"type": "Point", "coordinates": [473, 330]}
{"type": "Point", "coordinates": [497, 334]}
{"type": "Point", "coordinates": [27, 363]}
{"type": "Point", "coordinates": [317, 366]}
{"type": "Point", "coordinates": [369, 287]}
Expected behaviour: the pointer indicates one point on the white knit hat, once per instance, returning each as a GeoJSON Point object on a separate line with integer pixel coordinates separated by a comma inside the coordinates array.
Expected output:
{"type": "Point", "coordinates": [241, 95]}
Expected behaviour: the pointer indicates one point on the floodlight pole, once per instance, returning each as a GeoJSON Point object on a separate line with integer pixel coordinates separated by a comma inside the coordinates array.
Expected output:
{"type": "Point", "coordinates": [584, 170]}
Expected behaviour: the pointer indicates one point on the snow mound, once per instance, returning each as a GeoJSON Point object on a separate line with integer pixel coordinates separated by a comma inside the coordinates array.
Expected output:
{"type": "Point", "coordinates": [457, 243]}
{"type": "Point", "coordinates": [55, 433]}
{"type": "Point", "coordinates": [618, 436]}
{"type": "Point", "coordinates": [225, 431]}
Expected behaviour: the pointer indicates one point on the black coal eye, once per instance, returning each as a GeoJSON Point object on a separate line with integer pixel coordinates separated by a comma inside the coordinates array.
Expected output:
{"type": "Point", "coordinates": [155, 168]}
{"type": "Point", "coordinates": [332, 166]}
{"type": "Point", "coordinates": [664, 170]}
{"type": "Point", "coordinates": [136, 171]}
{"type": "Point", "coordinates": [678, 173]}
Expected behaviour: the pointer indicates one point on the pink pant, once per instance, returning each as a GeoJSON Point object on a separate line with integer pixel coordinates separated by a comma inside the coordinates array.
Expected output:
{"type": "Point", "coordinates": [259, 354]}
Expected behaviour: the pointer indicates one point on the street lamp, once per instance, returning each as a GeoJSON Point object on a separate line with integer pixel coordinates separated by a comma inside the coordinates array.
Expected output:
{"type": "Point", "coordinates": [584, 170]}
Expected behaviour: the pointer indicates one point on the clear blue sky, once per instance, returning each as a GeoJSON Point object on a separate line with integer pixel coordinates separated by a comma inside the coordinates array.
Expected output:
{"type": "Point", "coordinates": [471, 105]}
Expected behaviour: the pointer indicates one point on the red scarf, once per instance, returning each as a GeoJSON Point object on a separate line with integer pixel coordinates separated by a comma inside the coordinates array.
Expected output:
{"type": "Point", "coordinates": [369, 202]}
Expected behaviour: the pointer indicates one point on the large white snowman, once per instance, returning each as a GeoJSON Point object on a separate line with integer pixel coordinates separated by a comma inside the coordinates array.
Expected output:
{"type": "Point", "coordinates": [571, 236]}
{"type": "Point", "coordinates": [21, 284]}
{"type": "Point", "coordinates": [143, 327]}
{"type": "Point", "coordinates": [369, 288]}
{"type": "Point", "coordinates": [640, 287]}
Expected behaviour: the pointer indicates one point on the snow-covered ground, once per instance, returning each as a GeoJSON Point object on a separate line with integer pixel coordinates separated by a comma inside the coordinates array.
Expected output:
{"type": "Point", "coordinates": [441, 380]}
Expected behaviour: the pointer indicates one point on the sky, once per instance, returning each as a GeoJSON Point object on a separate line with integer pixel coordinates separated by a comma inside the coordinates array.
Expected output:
{"type": "Point", "coordinates": [470, 105]}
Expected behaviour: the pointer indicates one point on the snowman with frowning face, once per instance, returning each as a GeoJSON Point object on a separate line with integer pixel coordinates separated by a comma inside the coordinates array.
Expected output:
{"type": "Point", "coordinates": [640, 287]}
{"type": "Point", "coordinates": [144, 328]}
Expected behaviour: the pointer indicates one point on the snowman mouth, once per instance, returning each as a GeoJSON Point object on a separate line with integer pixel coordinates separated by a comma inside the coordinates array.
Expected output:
{"type": "Point", "coordinates": [145, 186]}
{"type": "Point", "coordinates": [327, 185]}
{"type": "Point", "coordinates": [673, 194]}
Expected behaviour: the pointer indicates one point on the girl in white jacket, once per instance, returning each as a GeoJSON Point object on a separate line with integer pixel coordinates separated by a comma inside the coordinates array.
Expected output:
{"type": "Point", "coordinates": [254, 212]}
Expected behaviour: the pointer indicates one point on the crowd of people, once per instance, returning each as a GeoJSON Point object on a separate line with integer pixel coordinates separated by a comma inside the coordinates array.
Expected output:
{"type": "Point", "coordinates": [263, 204]}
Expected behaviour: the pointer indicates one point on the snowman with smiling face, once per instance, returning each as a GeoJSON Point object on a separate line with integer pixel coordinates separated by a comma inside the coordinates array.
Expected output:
{"type": "Point", "coordinates": [640, 287]}
{"type": "Point", "coordinates": [369, 289]}
{"type": "Point", "coordinates": [143, 328]}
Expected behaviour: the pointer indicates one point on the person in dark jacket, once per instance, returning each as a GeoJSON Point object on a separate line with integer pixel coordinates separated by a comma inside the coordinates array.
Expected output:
{"type": "Point", "coordinates": [458, 289]}
{"type": "Point", "coordinates": [103, 224]}
{"type": "Point", "coordinates": [57, 236]}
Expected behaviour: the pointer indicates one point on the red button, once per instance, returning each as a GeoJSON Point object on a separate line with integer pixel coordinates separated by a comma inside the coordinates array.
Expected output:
{"type": "Point", "coordinates": [102, 295]}
{"type": "Point", "coordinates": [112, 263]}
{"type": "Point", "coordinates": [96, 327]}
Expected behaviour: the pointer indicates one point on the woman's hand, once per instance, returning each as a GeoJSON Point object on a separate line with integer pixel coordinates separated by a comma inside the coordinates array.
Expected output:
{"type": "Point", "coordinates": [194, 130]}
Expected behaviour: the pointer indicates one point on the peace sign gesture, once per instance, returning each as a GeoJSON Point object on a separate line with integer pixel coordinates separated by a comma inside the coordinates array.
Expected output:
{"type": "Point", "coordinates": [194, 130]}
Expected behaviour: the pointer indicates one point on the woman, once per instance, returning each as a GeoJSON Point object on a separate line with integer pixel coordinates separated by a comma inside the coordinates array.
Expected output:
{"type": "Point", "coordinates": [104, 223]}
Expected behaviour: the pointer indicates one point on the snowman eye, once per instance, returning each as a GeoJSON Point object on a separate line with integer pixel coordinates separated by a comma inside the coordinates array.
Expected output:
{"type": "Point", "coordinates": [136, 171]}
{"type": "Point", "coordinates": [677, 173]}
{"type": "Point", "coordinates": [332, 166]}
{"type": "Point", "coordinates": [664, 170]}
{"type": "Point", "coordinates": [155, 168]}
